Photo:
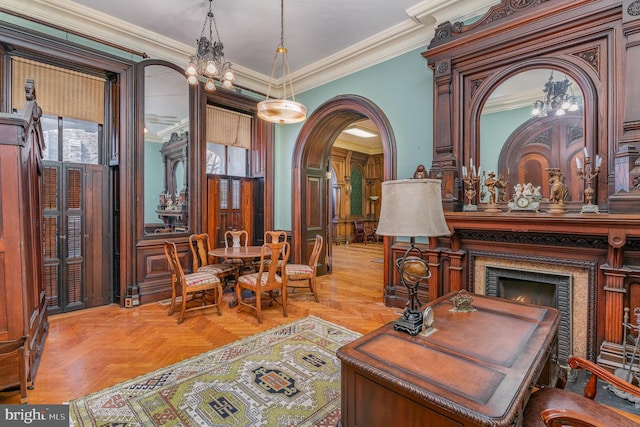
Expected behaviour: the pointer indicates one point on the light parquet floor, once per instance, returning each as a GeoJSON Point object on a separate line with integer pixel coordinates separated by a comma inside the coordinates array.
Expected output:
{"type": "Point", "coordinates": [89, 350]}
{"type": "Point", "coordinates": [92, 349]}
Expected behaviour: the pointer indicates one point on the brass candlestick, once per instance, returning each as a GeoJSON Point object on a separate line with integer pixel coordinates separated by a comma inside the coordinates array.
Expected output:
{"type": "Point", "coordinates": [588, 172]}
{"type": "Point", "coordinates": [470, 181]}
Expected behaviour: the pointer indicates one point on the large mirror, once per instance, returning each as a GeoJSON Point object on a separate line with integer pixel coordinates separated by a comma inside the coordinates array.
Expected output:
{"type": "Point", "coordinates": [166, 137]}
{"type": "Point", "coordinates": [533, 122]}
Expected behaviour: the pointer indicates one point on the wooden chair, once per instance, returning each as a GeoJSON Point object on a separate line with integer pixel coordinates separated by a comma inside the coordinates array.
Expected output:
{"type": "Point", "coordinates": [363, 233]}
{"type": "Point", "coordinates": [13, 368]}
{"type": "Point", "coordinates": [200, 247]}
{"type": "Point", "coordinates": [236, 239]}
{"type": "Point", "coordinates": [269, 237]}
{"type": "Point", "coordinates": [200, 287]}
{"type": "Point", "coordinates": [304, 274]}
{"type": "Point", "coordinates": [554, 407]}
{"type": "Point", "coordinates": [267, 278]}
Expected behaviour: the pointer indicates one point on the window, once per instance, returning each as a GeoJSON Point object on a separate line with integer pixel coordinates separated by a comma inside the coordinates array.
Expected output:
{"type": "Point", "coordinates": [228, 142]}
{"type": "Point", "coordinates": [71, 140]}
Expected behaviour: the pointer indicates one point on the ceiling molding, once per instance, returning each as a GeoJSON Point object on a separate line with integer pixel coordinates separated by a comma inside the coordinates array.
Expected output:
{"type": "Point", "coordinates": [416, 32]}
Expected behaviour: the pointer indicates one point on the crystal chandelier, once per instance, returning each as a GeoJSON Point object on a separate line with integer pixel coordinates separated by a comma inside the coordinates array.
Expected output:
{"type": "Point", "coordinates": [557, 101]}
{"type": "Point", "coordinates": [282, 110]}
{"type": "Point", "coordinates": [209, 61]}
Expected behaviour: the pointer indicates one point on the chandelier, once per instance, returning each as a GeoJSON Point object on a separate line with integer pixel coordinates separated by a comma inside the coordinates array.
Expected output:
{"type": "Point", "coordinates": [209, 61]}
{"type": "Point", "coordinates": [556, 101]}
{"type": "Point", "coordinates": [282, 110]}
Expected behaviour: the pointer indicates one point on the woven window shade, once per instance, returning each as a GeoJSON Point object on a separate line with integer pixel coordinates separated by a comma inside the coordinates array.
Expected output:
{"type": "Point", "coordinates": [60, 92]}
{"type": "Point", "coordinates": [228, 127]}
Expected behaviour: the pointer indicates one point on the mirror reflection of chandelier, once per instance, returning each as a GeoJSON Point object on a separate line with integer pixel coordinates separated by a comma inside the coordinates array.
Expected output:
{"type": "Point", "coordinates": [557, 101]}
{"type": "Point", "coordinates": [209, 61]}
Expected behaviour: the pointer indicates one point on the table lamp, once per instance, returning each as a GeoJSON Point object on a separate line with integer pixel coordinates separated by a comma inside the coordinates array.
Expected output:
{"type": "Point", "coordinates": [412, 208]}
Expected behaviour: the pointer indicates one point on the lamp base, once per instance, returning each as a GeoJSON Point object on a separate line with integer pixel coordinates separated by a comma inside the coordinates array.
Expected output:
{"type": "Point", "coordinates": [410, 323]}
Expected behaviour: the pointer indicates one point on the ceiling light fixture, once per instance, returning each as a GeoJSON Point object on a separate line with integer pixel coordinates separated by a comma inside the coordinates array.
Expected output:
{"type": "Point", "coordinates": [209, 61]}
{"type": "Point", "coordinates": [283, 110]}
{"type": "Point", "coordinates": [359, 132]}
{"type": "Point", "coordinates": [557, 101]}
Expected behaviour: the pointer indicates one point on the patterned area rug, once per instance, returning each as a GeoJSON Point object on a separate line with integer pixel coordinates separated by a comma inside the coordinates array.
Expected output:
{"type": "Point", "coordinates": [287, 376]}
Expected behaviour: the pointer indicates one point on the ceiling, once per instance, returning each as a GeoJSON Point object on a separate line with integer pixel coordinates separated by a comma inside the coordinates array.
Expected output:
{"type": "Point", "coordinates": [325, 39]}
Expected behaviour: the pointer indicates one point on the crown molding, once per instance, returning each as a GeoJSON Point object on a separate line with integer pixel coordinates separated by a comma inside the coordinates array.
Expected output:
{"type": "Point", "coordinates": [416, 32]}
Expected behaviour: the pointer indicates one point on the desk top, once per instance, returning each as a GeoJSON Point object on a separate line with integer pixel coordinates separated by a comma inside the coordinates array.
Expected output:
{"type": "Point", "coordinates": [479, 365]}
{"type": "Point", "coordinates": [241, 252]}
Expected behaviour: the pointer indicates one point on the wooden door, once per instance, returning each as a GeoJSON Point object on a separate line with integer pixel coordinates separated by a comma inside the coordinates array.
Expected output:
{"type": "Point", "coordinates": [77, 249]}
{"type": "Point", "coordinates": [316, 212]}
{"type": "Point", "coordinates": [230, 207]}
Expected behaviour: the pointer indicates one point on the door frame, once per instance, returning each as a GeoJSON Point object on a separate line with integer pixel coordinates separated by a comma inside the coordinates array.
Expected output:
{"type": "Point", "coordinates": [313, 149]}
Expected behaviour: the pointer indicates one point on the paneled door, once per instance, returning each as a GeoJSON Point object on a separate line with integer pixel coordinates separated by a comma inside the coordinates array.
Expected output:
{"type": "Point", "coordinates": [77, 249]}
{"type": "Point", "coordinates": [315, 216]}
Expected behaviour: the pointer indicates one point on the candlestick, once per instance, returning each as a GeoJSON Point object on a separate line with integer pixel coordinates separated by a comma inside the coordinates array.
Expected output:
{"type": "Point", "coordinates": [587, 172]}
{"type": "Point", "coordinates": [470, 178]}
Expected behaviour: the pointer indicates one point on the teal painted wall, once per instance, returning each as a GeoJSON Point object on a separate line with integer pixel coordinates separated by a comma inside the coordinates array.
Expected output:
{"type": "Point", "coordinates": [401, 87]}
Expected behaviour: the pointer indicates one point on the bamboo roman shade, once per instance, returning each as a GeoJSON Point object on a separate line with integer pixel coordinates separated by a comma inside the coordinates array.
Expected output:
{"type": "Point", "coordinates": [60, 92]}
{"type": "Point", "coordinates": [228, 127]}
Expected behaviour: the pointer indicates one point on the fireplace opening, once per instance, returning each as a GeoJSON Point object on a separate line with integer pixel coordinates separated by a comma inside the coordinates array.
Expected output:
{"type": "Point", "coordinates": [528, 291]}
{"type": "Point", "coordinates": [539, 288]}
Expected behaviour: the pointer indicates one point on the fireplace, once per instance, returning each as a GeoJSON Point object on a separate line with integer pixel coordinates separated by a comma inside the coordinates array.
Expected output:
{"type": "Point", "coordinates": [540, 288]}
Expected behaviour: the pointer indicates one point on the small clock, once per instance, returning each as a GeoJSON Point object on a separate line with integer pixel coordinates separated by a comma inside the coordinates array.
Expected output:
{"type": "Point", "coordinates": [427, 318]}
{"type": "Point", "coordinates": [522, 202]}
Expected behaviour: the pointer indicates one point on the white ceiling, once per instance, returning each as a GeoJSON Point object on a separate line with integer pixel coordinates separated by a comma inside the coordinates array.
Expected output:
{"type": "Point", "coordinates": [326, 39]}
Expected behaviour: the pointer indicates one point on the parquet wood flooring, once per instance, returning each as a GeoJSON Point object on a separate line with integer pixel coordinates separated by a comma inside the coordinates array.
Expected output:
{"type": "Point", "coordinates": [92, 349]}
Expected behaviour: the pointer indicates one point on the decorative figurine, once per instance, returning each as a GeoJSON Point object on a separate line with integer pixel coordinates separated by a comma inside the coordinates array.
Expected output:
{"type": "Point", "coordinates": [493, 187]}
{"type": "Point", "coordinates": [558, 190]}
{"type": "Point", "coordinates": [420, 172]}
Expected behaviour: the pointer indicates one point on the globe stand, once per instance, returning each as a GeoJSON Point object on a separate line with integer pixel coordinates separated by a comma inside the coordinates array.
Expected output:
{"type": "Point", "coordinates": [413, 271]}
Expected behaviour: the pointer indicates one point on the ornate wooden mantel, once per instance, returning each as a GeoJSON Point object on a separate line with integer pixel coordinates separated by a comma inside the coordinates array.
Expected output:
{"type": "Point", "coordinates": [597, 43]}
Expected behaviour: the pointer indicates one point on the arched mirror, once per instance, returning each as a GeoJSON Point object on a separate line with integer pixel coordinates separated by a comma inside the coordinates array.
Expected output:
{"type": "Point", "coordinates": [533, 122]}
{"type": "Point", "coordinates": [166, 137]}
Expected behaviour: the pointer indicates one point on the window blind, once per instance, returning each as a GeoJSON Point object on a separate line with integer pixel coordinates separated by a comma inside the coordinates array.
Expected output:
{"type": "Point", "coordinates": [59, 92]}
{"type": "Point", "coordinates": [228, 127]}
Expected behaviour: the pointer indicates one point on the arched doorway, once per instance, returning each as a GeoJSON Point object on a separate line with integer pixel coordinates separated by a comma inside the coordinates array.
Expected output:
{"type": "Point", "coordinates": [311, 189]}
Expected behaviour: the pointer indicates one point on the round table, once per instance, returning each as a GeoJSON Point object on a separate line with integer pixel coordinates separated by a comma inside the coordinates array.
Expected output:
{"type": "Point", "coordinates": [241, 252]}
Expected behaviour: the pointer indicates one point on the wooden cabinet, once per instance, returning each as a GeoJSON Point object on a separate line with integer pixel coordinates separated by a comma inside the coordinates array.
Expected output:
{"type": "Point", "coordinates": [22, 294]}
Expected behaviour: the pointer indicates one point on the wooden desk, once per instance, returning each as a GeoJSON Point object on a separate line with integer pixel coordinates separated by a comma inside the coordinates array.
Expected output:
{"type": "Point", "coordinates": [476, 369]}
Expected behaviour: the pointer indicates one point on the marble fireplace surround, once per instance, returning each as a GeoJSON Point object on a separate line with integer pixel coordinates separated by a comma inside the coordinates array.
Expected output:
{"type": "Point", "coordinates": [581, 275]}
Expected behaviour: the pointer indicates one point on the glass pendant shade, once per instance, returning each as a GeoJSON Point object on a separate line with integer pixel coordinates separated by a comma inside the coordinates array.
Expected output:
{"type": "Point", "coordinates": [281, 110]}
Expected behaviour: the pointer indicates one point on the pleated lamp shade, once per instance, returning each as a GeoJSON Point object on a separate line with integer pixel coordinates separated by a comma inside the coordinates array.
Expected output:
{"type": "Point", "coordinates": [412, 208]}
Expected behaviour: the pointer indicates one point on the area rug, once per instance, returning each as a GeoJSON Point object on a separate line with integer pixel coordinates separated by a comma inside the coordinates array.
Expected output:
{"type": "Point", "coordinates": [286, 376]}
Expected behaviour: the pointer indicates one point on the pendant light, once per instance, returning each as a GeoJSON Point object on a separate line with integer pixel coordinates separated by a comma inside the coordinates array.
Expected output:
{"type": "Point", "coordinates": [283, 110]}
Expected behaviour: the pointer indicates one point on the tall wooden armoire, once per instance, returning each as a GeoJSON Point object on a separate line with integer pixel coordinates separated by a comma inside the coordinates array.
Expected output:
{"type": "Point", "coordinates": [22, 295]}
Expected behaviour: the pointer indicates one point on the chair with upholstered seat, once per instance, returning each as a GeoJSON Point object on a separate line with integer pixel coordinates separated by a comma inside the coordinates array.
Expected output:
{"type": "Point", "coordinates": [13, 368]}
{"type": "Point", "coordinates": [557, 407]}
{"type": "Point", "coordinates": [237, 239]}
{"type": "Point", "coordinates": [267, 278]}
{"type": "Point", "coordinates": [271, 236]}
{"type": "Point", "coordinates": [304, 275]}
{"type": "Point", "coordinates": [200, 247]}
{"type": "Point", "coordinates": [197, 290]}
